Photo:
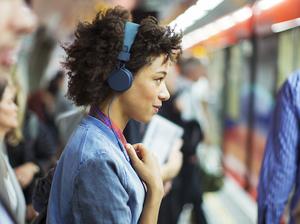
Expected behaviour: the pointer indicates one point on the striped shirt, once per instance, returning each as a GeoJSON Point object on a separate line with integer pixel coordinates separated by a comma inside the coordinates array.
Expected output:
{"type": "Point", "coordinates": [280, 170]}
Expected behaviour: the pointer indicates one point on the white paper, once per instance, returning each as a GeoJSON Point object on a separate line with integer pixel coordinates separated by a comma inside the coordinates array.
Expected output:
{"type": "Point", "coordinates": [160, 137]}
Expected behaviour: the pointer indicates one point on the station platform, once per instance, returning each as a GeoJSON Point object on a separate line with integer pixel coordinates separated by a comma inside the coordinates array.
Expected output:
{"type": "Point", "coordinates": [231, 205]}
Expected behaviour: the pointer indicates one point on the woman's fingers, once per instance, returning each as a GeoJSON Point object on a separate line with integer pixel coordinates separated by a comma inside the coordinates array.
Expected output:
{"type": "Point", "coordinates": [140, 150]}
{"type": "Point", "coordinates": [136, 162]}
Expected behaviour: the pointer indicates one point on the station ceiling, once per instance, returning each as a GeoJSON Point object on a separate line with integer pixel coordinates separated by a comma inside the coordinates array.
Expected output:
{"type": "Point", "coordinates": [168, 10]}
{"type": "Point", "coordinates": [64, 14]}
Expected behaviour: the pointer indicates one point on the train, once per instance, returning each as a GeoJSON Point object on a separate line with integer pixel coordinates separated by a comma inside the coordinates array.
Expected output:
{"type": "Point", "coordinates": [251, 52]}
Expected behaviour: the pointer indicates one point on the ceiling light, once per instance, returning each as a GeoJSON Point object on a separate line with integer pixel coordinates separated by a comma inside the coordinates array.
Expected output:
{"type": "Point", "coordinates": [225, 22]}
{"type": "Point", "coordinates": [279, 27]}
{"type": "Point", "coordinates": [267, 4]}
{"type": "Point", "coordinates": [194, 13]}
{"type": "Point", "coordinates": [242, 14]}
{"type": "Point", "coordinates": [199, 35]}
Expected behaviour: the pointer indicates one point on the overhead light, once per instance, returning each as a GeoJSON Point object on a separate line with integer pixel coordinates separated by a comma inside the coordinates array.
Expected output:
{"type": "Point", "coordinates": [225, 22]}
{"type": "Point", "coordinates": [193, 38]}
{"type": "Point", "coordinates": [182, 22]}
{"type": "Point", "coordinates": [199, 35]}
{"type": "Point", "coordinates": [242, 14]}
{"type": "Point", "coordinates": [280, 27]}
{"type": "Point", "coordinates": [210, 30]}
{"type": "Point", "coordinates": [267, 4]}
{"type": "Point", "coordinates": [194, 13]}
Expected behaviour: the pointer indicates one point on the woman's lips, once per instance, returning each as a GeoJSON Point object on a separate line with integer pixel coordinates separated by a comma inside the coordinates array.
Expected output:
{"type": "Point", "coordinates": [156, 108]}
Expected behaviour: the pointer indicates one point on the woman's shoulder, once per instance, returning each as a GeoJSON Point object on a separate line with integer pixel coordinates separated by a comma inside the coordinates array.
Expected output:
{"type": "Point", "coordinates": [93, 143]}
{"type": "Point", "coordinates": [101, 163]}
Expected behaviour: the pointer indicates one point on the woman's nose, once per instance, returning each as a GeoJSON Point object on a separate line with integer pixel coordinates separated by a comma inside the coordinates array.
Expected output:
{"type": "Point", "coordinates": [164, 93]}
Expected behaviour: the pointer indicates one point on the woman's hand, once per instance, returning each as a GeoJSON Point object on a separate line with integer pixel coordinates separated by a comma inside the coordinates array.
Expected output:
{"type": "Point", "coordinates": [147, 167]}
{"type": "Point", "coordinates": [25, 173]}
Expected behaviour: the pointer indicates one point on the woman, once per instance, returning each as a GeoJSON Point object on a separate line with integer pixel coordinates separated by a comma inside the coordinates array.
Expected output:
{"type": "Point", "coordinates": [99, 177]}
{"type": "Point", "coordinates": [10, 189]}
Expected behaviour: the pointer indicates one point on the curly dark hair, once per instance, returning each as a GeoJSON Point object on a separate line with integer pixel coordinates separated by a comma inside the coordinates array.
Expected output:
{"type": "Point", "coordinates": [93, 54]}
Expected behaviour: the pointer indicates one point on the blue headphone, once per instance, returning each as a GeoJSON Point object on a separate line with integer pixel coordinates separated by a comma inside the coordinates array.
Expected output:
{"type": "Point", "coordinates": [121, 78]}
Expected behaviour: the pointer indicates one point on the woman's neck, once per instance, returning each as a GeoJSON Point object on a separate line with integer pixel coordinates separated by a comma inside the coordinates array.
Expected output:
{"type": "Point", "coordinates": [114, 112]}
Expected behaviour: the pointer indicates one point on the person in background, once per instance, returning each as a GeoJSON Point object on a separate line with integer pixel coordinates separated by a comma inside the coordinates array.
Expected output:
{"type": "Point", "coordinates": [10, 189]}
{"type": "Point", "coordinates": [280, 170]}
{"type": "Point", "coordinates": [32, 156]}
{"type": "Point", "coordinates": [179, 109]}
{"type": "Point", "coordinates": [6, 215]}
{"type": "Point", "coordinates": [99, 178]}
{"type": "Point", "coordinates": [45, 102]}
{"type": "Point", "coordinates": [16, 20]}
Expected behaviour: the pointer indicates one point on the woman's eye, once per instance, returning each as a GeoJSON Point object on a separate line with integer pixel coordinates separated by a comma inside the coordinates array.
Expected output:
{"type": "Point", "coordinates": [158, 81]}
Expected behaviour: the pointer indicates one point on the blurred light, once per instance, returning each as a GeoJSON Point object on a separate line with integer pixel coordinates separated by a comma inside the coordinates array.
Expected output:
{"type": "Point", "coordinates": [279, 27]}
{"type": "Point", "coordinates": [266, 4]}
{"type": "Point", "coordinates": [242, 14]}
{"type": "Point", "coordinates": [181, 22]}
{"type": "Point", "coordinates": [194, 37]}
{"type": "Point", "coordinates": [225, 22]}
{"type": "Point", "coordinates": [211, 29]}
{"type": "Point", "coordinates": [199, 35]}
{"type": "Point", "coordinates": [194, 13]}
{"type": "Point", "coordinates": [216, 27]}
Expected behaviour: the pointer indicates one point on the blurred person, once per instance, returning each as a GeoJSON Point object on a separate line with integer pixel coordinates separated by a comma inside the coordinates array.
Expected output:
{"type": "Point", "coordinates": [16, 20]}
{"type": "Point", "coordinates": [10, 189]}
{"type": "Point", "coordinates": [32, 156]}
{"type": "Point", "coordinates": [42, 101]}
{"type": "Point", "coordinates": [99, 177]}
{"type": "Point", "coordinates": [279, 175]}
{"type": "Point", "coordinates": [194, 96]}
{"type": "Point", "coordinates": [6, 215]}
{"type": "Point", "coordinates": [48, 102]}
{"type": "Point", "coordinates": [186, 186]}
{"type": "Point", "coordinates": [30, 149]}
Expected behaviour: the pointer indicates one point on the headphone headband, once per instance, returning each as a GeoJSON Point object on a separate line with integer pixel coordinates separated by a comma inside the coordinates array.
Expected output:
{"type": "Point", "coordinates": [130, 32]}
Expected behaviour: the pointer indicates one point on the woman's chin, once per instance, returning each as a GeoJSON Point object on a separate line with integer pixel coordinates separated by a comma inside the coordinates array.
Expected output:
{"type": "Point", "coordinates": [144, 119]}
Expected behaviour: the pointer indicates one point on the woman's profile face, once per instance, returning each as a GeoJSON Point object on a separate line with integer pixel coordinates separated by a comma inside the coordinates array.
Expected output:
{"type": "Point", "coordinates": [148, 91]}
{"type": "Point", "coordinates": [8, 109]}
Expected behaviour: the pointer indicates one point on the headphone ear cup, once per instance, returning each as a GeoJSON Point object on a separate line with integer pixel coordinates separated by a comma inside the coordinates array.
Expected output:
{"type": "Point", "coordinates": [120, 80]}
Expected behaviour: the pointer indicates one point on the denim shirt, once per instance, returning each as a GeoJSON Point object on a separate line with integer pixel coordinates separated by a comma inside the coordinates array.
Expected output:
{"type": "Point", "coordinates": [93, 181]}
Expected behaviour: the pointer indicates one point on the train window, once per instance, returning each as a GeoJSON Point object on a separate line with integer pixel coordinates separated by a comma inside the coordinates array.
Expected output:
{"type": "Point", "coordinates": [288, 54]}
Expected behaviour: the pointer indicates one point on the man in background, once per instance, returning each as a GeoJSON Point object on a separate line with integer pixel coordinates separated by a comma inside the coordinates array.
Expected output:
{"type": "Point", "coordinates": [280, 170]}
